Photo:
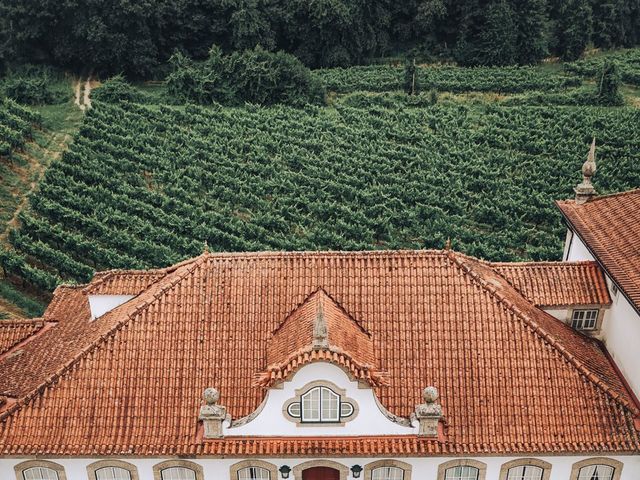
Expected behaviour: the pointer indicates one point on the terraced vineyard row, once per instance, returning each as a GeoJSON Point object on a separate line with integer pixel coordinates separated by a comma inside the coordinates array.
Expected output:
{"type": "Point", "coordinates": [16, 126]}
{"type": "Point", "coordinates": [384, 78]}
{"type": "Point", "coordinates": [628, 62]}
{"type": "Point", "coordinates": [147, 186]}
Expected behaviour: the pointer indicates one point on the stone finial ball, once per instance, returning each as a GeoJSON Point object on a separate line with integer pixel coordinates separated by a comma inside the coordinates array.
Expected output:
{"type": "Point", "coordinates": [211, 396]}
{"type": "Point", "coordinates": [430, 394]}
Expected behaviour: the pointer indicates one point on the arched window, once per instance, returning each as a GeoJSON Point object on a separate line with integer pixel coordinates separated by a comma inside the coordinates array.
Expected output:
{"type": "Point", "coordinates": [39, 473]}
{"type": "Point", "coordinates": [320, 402]}
{"type": "Point", "coordinates": [178, 473]}
{"type": "Point", "coordinates": [526, 469]}
{"type": "Point", "coordinates": [112, 473]}
{"type": "Point", "coordinates": [39, 470]}
{"type": "Point", "coordinates": [254, 473]}
{"type": "Point", "coordinates": [387, 470]}
{"type": "Point", "coordinates": [112, 470]}
{"type": "Point", "coordinates": [177, 470]}
{"type": "Point", "coordinates": [463, 469]}
{"type": "Point", "coordinates": [596, 472]}
{"type": "Point", "coordinates": [387, 473]}
{"type": "Point", "coordinates": [597, 469]}
{"type": "Point", "coordinates": [461, 473]}
{"type": "Point", "coordinates": [253, 470]}
{"type": "Point", "coordinates": [525, 472]}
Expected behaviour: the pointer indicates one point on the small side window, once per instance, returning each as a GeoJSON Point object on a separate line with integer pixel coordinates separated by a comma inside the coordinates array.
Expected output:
{"type": "Point", "coordinates": [585, 319]}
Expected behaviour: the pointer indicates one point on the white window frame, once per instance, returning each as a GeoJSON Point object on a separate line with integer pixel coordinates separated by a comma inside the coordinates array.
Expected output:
{"type": "Point", "coordinates": [241, 471]}
{"type": "Point", "coordinates": [95, 467]}
{"type": "Point", "coordinates": [445, 467]}
{"type": "Point", "coordinates": [616, 465]}
{"type": "Point", "coordinates": [320, 403]}
{"type": "Point", "coordinates": [390, 474]}
{"type": "Point", "coordinates": [44, 473]}
{"type": "Point", "coordinates": [526, 473]}
{"type": "Point", "coordinates": [371, 468]}
{"type": "Point", "coordinates": [506, 468]}
{"type": "Point", "coordinates": [236, 468]}
{"type": "Point", "coordinates": [21, 468]}
{"type": "Point", "coordinates": [586, 315]}
{"type": "Point", "coordinates": [112, 468]}
{"type": "Point", "coordinates": [160, 468]}
{"type": "Point", "coordinates": [585, 474]}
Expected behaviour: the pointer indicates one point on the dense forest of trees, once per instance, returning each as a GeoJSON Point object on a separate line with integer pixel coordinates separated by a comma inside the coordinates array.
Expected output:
{"type": "Point", "coordinates": [136, 37]}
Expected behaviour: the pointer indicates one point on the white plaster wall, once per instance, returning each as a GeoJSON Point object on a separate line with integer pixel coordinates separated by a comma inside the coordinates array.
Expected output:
{"type": "Point", "coordinates": [577, 251]}
{"type": "Point", "coordinates": [101, 304]}
{"type": "Point", "coordinates": [560, 313]}
{"type": "Point", "coordinates": [425, 468]}
{"type": "Point", "coordinates": [622, 338]}
{"type": "Point", "coordinates": [369, 421]}
{"type": "Point", "coordinates": [621, 326]}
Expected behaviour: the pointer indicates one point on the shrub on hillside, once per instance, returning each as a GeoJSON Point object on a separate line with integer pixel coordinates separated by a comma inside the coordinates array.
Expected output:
{"type": "Point", "coordinates": [607, 92]}
{"type": "Point", "coordinates": [32, 85]}
{"type": "Point", "coordinates": [252, 76]}
{"type": "Point", "coordinates": [117, 89]}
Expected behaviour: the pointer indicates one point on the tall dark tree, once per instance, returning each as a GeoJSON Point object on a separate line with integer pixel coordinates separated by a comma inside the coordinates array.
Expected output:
{"type": "Point", "coordinates": [608, 29]}
{"type": "Point", "coordinates": [532, 26]}
{"type": "Point", "coordinates": [490, 36]}
{"type": "Point", "coordinates": [572, 27]}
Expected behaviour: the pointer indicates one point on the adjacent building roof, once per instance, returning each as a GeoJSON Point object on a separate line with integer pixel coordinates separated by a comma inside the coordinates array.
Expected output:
{"type": "Point", "coordinates": [512, 379]}
{"type": "Point", "coordinates": [14, 331]}
{"type": "Point", "coordinates": [610, 227]}
{"type": "Point", "coordinates": [557, 284]}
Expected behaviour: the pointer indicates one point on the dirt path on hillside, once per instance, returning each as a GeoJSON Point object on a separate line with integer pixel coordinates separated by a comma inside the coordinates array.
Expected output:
{"type": "Point", "coordinates": [35, 170]}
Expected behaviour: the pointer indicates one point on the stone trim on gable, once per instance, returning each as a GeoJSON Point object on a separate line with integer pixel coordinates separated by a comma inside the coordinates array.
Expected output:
{"type": "Point", "coordinates": [520, 462]}
{"type": "Point", "coordinates": [463, 462]}
{"type": "Point", "coordinates": [575, 469]}
{"type": "Point", "coordinates": [92, 468]}
{"type": "Point", "coordinates": [56, 467]}
{"type": "Point", "coordinates": [236, 467]}
{"type": "Point", "coordinates": [298, 469]}
{"type": "Point", "coordinates": [158, 467]}
{"type": "Point", "coordinates": [370, 467]}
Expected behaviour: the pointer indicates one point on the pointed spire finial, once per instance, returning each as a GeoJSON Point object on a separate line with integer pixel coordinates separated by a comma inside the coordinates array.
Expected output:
{"type": "Point", "coordinates": [320, 329]}
{"type": "Point", "coordinates": [206, 247]}
{"type": "Point", "coordinates": [585, 190]}
{"type": "Point", "coordinates": [447, 245]}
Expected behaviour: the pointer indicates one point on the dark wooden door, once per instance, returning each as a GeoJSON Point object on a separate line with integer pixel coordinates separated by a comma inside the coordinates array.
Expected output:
{"type": "Point", "coordinates": [320, 473]}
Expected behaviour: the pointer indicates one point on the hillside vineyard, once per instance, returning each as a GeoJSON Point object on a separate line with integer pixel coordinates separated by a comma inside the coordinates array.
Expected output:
{"type": "Point", "coordinates": [147, 186]}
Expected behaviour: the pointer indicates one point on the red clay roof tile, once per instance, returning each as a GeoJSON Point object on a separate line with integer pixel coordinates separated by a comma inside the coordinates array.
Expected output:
{"type": "Point", "coordinates": [557, 284]}
{"type": "Point", "coordinates": [610, 227]}
{"type": "Point", "coordinates": [13, 331]}
{"type": "Point", "coordinates": [512, 378]}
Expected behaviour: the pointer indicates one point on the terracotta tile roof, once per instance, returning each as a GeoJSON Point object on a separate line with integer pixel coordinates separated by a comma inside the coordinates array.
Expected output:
{"type": "Point", "coordinates": [292, 345]}
{"type": "Point", "coordinates": [512, 378]}
{"type": "Point", "coordinates": [610, 227]}
{"type": "Point", "coordinates": [123, 282]}
{"type": "Point", "coordinates": [556, 284]}
{"type": "Point", "coordinates": [12, 332]}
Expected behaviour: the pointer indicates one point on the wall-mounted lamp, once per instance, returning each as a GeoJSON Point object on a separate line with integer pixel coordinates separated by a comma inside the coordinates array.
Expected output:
{"type": "Point", "coordinates": [356, 470]}
{"type": "Point", "coordinates": [285, 470]}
